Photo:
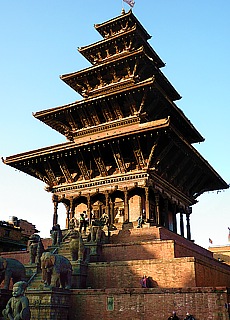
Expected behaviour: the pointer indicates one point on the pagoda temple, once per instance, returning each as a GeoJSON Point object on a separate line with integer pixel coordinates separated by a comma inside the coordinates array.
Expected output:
{"type": "Point", "coordinates": [129, 154]}
{"type": "Point", "coordinates": [129, 149]}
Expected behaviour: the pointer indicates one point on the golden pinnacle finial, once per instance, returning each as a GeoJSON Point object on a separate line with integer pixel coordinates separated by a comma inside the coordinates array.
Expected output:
{"type": "Point", "coordinates": [123, 11]}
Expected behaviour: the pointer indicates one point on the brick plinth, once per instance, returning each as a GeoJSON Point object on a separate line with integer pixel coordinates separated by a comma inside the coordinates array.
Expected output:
{"type": "Point", "coordinates": [173, 273]}
{"type": "Point", "coordinates": [145, 304]}
{"type": "Point", "coordinates": [49, 304]}
{"type": "Point", "coordinates": [79, 274]}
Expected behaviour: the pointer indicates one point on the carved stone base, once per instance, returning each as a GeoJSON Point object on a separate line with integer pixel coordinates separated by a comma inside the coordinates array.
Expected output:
{"type": "Point", "coordinates": [79, 274]}
{"type": "Point", "coordinates": [50, 304]}
{"type": "Point", "coordinates": [94, 251]}
{"type": "Point", "coordinates": [5, 295]}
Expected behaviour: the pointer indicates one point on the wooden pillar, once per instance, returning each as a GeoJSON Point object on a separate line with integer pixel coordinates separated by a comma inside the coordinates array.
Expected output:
{"type": "Point", "coordinates": [89, 211]}
{"type": "Point", "coordinates": [157, 208]}
{"type": "Point", "coordinates": [166, 220]}
{"type": "Point", "coordinates": [174, 218]}
{"type": "Point", "coordinates": [181, 224]}
{"type": "Point", "coordinates": [147, 204]}
{"type": "Point", "coordinates": [126, 205]}
{"type": "Point", "coordinates": [72, 208]}
{"type": "Point", "coordinates": [111, 204]}
{"type": "Point", "coordinates": [107, 211]}
{"type": "Point", "coordinates": [55, 214]}
{"type": "Point", "coordinates": [67, 206]}
{"type": "Point", "coordinates": [189, 211]}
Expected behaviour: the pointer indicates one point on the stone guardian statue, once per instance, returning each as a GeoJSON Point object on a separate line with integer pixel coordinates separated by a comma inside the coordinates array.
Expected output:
{"type": "Point", "coordinates": [17, 307]}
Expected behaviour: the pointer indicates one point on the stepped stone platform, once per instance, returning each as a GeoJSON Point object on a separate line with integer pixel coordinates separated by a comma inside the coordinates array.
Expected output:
{"type": "Point", "coordinates": [181, 273]}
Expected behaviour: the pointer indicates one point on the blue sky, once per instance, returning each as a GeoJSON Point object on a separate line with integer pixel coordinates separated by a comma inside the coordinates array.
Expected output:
{"type": "Point", "coordinates": [38, 43]}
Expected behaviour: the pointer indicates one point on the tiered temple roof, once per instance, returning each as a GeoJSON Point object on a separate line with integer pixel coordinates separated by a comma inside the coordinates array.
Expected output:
{"type": "Point", "coordinates": [126, 132]}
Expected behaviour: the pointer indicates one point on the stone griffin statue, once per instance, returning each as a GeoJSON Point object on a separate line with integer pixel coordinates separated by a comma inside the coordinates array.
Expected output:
{"type": "Point", "coordinates": [17, 307]}
{"type": "Point", "coordinates": [35, 248]}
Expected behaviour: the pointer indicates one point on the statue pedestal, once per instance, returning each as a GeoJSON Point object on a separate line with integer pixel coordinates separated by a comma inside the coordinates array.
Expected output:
{"type": "Point", "coordinates": [94, 251]}
{"type": "Point", "coordinates": [5, 295]}
{"type": "Point", "coordinates": [127, 225]}
{"type": "Point", "coordinates": [49, 304]}
{"type": "Point", "coordinates": [79, 274]}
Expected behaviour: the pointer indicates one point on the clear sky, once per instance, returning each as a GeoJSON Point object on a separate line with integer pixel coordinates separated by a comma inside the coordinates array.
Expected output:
{"type": "Point", "coordinates": [38, 42]}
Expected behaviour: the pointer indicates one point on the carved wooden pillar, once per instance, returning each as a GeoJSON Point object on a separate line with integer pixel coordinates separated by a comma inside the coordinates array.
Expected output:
{"type": "Point", "coordinates": [147, 204]}
{"type": "Point", "coordinates": [189, 211]}
{"type": "Point", "coordinates": [107, 204]}
{"type": "Point", "coordinates": [166, 220]}
{"type": "Point", "coordinates": [181, 224]}
{"type": "Point", "coordinates": [89, 213]}
{"type": "Point", "coordinates": [157, 208]}
{"type": "Point", "coordinates": [126, 205]}
{"type": "Point", "coordinates": [174, 218]}
{"type": "Point", "coordinates": [72, 208]}
{"type": "Point", "coordinates": [55, 214]}
{"type": "Point", "coordinates": [111, 204]}
{"type": "Point", "coordinates": [67, 206]}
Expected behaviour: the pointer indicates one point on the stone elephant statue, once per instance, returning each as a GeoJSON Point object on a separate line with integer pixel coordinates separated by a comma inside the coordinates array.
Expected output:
{"type": "Point", "coordinates": [56, 270]}
{"type": "Point", "coordinates": [11, 269]}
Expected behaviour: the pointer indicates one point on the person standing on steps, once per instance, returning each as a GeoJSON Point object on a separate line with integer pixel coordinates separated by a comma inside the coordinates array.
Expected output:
{"type": "Point", "coordinates": [144, 281]}
{"type": "Point", "coordinates": [173, 316]}
{"type": "Point", "coordinates": [82, 222]}
{"type": "Point", "coordinates": [189, 317]}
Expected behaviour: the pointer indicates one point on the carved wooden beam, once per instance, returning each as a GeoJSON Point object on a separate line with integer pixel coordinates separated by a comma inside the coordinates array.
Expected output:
{"type": "Point", "coordinates": [106, 112]}
{"type": "Point", "coordinates": [151, 155]}
{"type": "Point", "coordinates": [118, 157]}
{"type": "Point", "coordinates": [41, 176]}
{"type": "Point", "coordinates": [82, 166]}
{"type": "Point", "coordinates": [193, 178]}
{"type": "Point", "coordinates": [138, 153]}
{"type": "Point", "coordinates": [65, 170]}
{"type": "Point", "coordinates": [49, 172]}
{"type": "Point", "coordinates": [59, 126]}
{"type": "Point", "coordinates": [198, 187]}
{"type": "Point", "coordinates": [99, 162]}
{"type": "Point", "coordinates": [163, 154]}
{"type": "Point", "coordinates": [83, 117]}
{"type": "Point", "coordinates": [184, 180]}
{"type": "Point", "coordinates": [173, 166]}
{"type": "Point", "coordinates": [132, 103]}
{"type": "Point", "coordinates": [93, 114]}
{"type": "Point", "coordinates": [143, 100]}
{"type": "Point", "coordinates": [117, 109]}
{"type": "Point", "coordinates": [180, 169]}
{"type": "Point", "coordinates": [71, 120]}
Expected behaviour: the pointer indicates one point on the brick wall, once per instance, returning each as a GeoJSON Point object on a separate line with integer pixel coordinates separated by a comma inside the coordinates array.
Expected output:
{"type": "Point", "coordinates": [22, 256]}
{"type": "Point", "coordinates": [165, 234]}
{"type": "Point", "coordinates": [128, 274]}
{"type": "Point", "coordinates": [149, 304]}
{"type": "Point", "coordinates": [139, 250]}
{"type": "Point", "coordinates": [212, 274]}
{"type": "Point", "coordinates": [171, 273]}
